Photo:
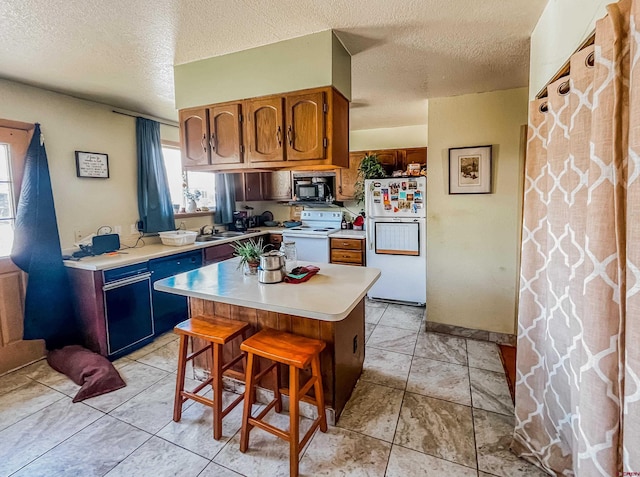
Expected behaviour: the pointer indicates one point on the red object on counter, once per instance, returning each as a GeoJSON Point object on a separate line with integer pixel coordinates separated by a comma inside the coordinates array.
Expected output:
{"type": "Point", "coordinates": [359, 220]}
{"type": "Point", "coordinates": [301, 274]}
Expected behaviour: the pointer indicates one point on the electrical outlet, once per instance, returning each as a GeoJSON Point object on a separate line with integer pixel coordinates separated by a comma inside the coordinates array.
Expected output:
{"type": "Point", "coordinates": [77, 235]}
{"type": "Point", "coordinates": [117, 229]}
{"type": "Point", "coordinates": [134, 229]}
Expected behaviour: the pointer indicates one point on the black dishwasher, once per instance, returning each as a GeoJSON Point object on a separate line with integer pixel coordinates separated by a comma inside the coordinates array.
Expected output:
{"type": "Point", "coordinates": [170, 309]}
{"type": "Point", "coordinates": [127, 308]}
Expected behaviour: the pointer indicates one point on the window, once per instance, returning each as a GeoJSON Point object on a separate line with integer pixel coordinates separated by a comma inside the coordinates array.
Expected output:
{"type": "Point", "coordinates": [204, 182]}
{"type": "Point", "coordinates": [13, 145]}
{"type": "Point", "coordinates": [7, 210]}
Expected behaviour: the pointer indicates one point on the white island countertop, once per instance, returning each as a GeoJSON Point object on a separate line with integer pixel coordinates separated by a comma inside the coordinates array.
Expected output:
{"type": "Point", "coordinates": [330, 295]}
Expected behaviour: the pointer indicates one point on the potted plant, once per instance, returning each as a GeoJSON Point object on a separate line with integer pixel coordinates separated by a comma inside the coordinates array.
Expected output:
{"type": "Point", "coordinates": [369, 168]}
{"type": "Point", "coordinates": [249, 252]}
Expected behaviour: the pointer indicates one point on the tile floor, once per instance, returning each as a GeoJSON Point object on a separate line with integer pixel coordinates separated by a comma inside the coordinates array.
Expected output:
{"type": "Point", "coordinates": [427, 405]}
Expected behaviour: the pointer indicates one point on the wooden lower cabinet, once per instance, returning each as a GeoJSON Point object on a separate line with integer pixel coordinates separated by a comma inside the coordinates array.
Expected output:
{"type": "Point", "coordinates": [341, 361]}
{"type": "Point", "coordinates": [14, 351]}
{"type": "Point", "coordinates": [348, 251]}
{"type": "Point", "coordinates": [218, 253]}
{"type": "Point", "coordinates": [275, 240]}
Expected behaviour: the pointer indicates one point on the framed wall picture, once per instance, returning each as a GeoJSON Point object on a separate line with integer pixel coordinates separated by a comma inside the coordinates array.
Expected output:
{"type": "Point", "coordinates": [470, 170]}
{"type": "Point", "coordinates": [92, 164]}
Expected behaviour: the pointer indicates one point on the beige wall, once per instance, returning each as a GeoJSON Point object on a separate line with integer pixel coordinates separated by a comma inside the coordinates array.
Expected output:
{"type": "Point", "coordinates": [562, 27]}
{"type": "Point", "coordinates": [474, 240]}
{"type": "Point", "coordinates": [388, 138]}
{"type": "Point", "coordinates": [309, 61]}
{"type": "Point", "coordinates": [70, 125]}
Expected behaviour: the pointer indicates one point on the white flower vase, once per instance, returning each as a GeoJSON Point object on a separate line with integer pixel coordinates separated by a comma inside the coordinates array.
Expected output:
{"type": "Point", "coordinates": [191, 206]}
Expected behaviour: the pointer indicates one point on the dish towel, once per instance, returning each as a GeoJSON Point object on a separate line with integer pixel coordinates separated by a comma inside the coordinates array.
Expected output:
{"type": "Point", "coordinates": [301, 274]}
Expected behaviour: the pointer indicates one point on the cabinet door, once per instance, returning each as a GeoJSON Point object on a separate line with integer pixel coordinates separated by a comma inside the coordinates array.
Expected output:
{"type": "Point", "coordinates": [248, 186]}
{"type": "Point", "coordinates": [238, 184]}
{"type": "Point", "coordinates": [277, 185]}
{"type": "Point", "coordinates": [218, 253]}
{"type": "Point", "coordinates": [305, 126]}
{"type": "Point", "coordinates": [415, 155]}
{"type": "Point", "coordinates": [264, 130]}
{"type": "Point", "coordinates": [225, 138]}
{"type": "Point", "coordinates": [252, 186]}
{"type": "Point", "coordinates": [194, 137]}
{"type": "Point", "coordinates": [349, 177]}
{"type": "Point", "coordinates": [388, 158]}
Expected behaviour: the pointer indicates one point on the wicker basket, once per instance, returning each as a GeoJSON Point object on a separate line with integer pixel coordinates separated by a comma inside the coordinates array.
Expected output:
{"type": "Point", "coordinates": [178, 237]}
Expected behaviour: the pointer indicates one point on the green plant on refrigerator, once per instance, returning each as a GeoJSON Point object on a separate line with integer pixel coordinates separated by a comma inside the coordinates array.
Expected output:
{"type": "Point", "coordinates": [369, 168]}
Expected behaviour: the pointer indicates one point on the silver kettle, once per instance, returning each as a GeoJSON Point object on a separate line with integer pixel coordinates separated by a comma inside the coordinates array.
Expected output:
{"type": "Point", "coordinates": [271, 267]}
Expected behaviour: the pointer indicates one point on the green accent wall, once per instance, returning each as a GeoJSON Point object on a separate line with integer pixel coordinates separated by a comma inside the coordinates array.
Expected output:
{"type": "Point", "coordinates": [309, 61]}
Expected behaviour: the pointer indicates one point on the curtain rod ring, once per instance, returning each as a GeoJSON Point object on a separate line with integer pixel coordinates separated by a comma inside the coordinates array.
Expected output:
{"type": "Point", "coordinates": [590, 61]}
{"type": "Point", "coordinates": [564, 88]}
{"type": "Point", "coordinates": [544, 107]}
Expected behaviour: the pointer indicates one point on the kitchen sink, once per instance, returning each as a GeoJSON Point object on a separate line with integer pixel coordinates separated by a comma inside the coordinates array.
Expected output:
{"type": "Point", "coordinates": [229, 233]}
{"type": "Point", "coordinates": [207, 238]}
{"type": "Point", "coordinates": [219, 236]}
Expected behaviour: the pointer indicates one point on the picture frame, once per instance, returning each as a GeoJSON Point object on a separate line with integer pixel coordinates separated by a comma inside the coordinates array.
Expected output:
{"type": "Point", "coordinates": [470, 170]}
{"type": "Point", "coordinates": [92, 164]}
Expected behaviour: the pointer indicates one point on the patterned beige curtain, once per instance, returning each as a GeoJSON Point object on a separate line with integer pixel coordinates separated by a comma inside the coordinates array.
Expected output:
{"type": "Point", "coordinates": [578, 386]}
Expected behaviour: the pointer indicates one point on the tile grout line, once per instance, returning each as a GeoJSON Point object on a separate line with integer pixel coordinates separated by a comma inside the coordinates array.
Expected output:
{"type": "Point", "coordinates": [63, 395]}
{"type": "Point", "coordinates": [59, 443]}
{"type": "Point", "coordinates": [473, 420]}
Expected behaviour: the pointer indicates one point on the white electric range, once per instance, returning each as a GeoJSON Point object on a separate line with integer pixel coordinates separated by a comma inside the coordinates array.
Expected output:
{"type": "Point", "coordinates": [312, 237]}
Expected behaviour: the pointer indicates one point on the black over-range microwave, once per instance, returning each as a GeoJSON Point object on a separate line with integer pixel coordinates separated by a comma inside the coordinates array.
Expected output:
{"type": "Point", "coordinates": [314, 188]}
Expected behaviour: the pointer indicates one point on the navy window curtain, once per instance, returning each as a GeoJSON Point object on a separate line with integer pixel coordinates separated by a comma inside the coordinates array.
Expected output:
{"type": "Point", "coordinates": [48, 311]}
{"type": "Point", "coordinates": [225, 198]}
{"type": "Point", "coordinates": [154, 199]}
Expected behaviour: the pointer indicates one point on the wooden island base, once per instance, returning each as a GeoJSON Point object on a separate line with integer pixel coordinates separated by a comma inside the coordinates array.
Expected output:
{"type": "Point", "coordinates": [341, 361]}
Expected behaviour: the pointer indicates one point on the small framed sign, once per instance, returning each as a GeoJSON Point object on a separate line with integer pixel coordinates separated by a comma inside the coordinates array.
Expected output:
{"type": "Point", "coordinates": [92, 164]}
{"type": "Point", "coordinates": [470, 170]}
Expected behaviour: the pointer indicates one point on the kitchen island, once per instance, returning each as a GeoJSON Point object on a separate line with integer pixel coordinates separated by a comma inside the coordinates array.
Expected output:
{"type": "Point", "coordinates": [330, 307]}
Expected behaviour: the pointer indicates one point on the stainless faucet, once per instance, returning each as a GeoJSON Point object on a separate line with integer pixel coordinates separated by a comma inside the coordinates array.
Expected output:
{"type": "Point", "coordinates": [203, 230]}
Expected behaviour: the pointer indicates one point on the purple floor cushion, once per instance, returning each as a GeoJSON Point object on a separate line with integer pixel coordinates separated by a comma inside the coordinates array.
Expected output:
{"type": "Point", "coordinates": [93, 372]}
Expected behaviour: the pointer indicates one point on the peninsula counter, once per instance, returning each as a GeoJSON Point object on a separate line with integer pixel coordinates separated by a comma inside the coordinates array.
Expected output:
{"type": "Point", "coordinates": [330, 307]}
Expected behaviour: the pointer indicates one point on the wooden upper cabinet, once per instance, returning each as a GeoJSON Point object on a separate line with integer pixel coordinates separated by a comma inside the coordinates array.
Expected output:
{"type": "Point", "coordinates": [265, 130]}
{"type": "Point", "coordinates": [277, 185]}
{"type": "Point", "coordinates": [303, 129]}
{"type": "Point", "coordinates": [414, 155]}
{"type": "Point", "coordinates": [305, 137]}
{"type": "Point", "coordinates": [388, 158]}
{"type": "Point", "coordinates": [253, 186]}
{"type": "Point", "coordinates": [248, 186]}
{"type": "Point", "coordinates": [347, 178]}
{"type": "Point", "coordinates": [225, 136]}
{"type": "Point", "coordinates": [194, 137]}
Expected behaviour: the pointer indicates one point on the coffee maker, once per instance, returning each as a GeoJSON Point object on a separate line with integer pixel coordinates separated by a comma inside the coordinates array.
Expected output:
{"type": "Point", "coordinates": [239, 221]}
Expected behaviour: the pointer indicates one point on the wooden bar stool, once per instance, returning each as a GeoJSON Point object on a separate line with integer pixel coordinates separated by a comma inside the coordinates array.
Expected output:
{"type": "Point", "coordinates": [297, 352]}
{"type": "Point", "coordinates": [217, 332]}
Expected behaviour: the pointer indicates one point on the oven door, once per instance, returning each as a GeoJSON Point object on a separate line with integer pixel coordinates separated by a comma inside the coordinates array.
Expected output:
{"type": "Point", "coordinates": [309, 248]}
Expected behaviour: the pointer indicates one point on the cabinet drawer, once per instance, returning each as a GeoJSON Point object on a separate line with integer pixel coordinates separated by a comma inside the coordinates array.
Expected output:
{"type": "Point", "coordinates": [349, 244]}
{"type": "Point", "coordinates": [275, 238]}
{"type": "Point", "coordinates": [349, 256]}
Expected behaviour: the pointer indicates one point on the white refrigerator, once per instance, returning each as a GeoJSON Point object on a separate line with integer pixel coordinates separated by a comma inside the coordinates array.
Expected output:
{"type": "Point", "coordinates": [396, 228]}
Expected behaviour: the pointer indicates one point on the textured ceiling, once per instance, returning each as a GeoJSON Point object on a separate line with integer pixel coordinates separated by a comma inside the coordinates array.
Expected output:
{"type": "Point", "coordinates": [122, 52]}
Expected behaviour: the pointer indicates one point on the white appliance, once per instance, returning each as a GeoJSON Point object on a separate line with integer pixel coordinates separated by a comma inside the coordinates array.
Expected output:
{"type": "Point", "coordinates": [312, 237]}
{"type": "Point", "coordinates": [396, 226]}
